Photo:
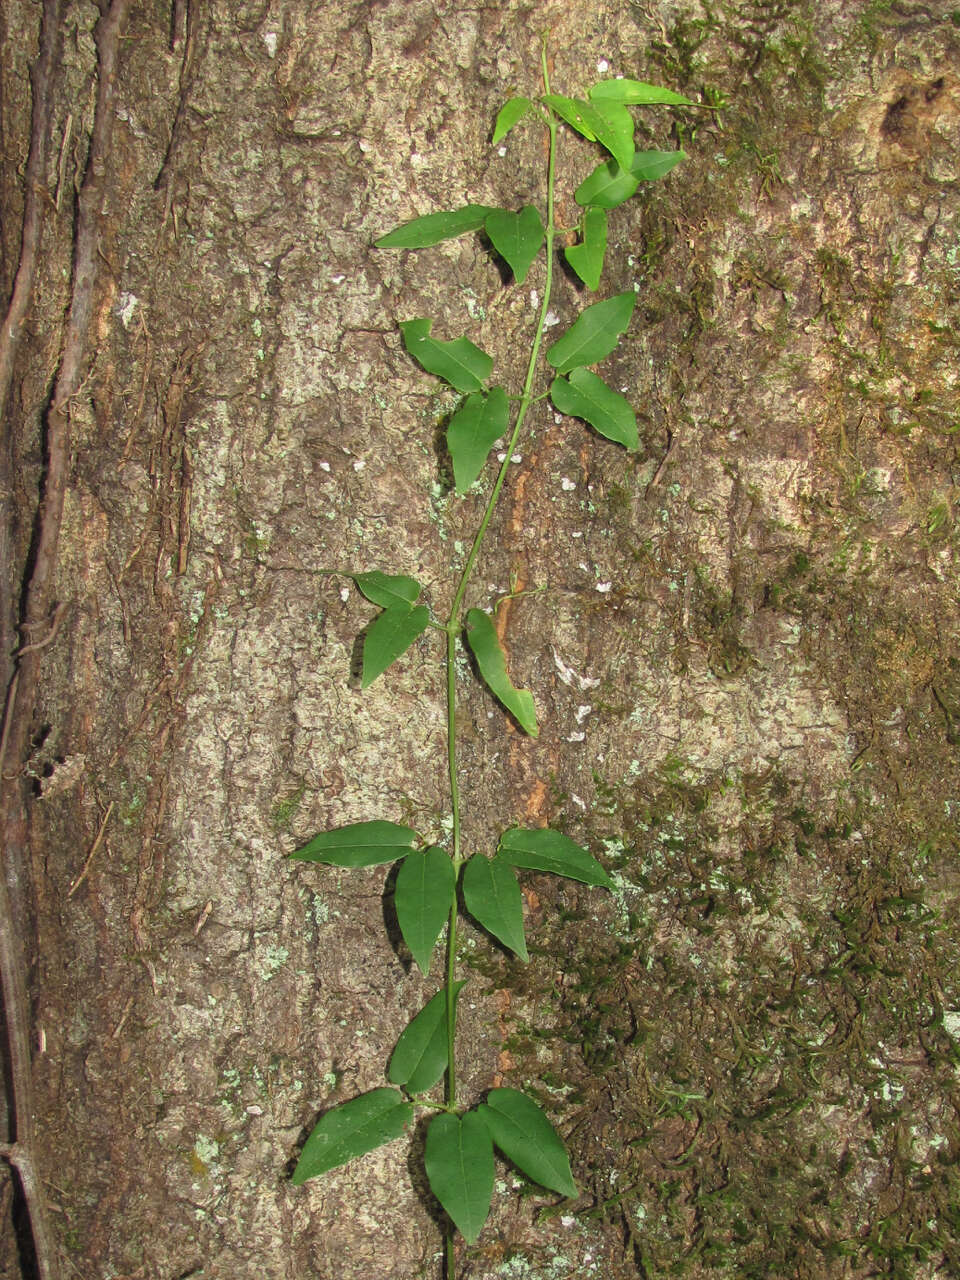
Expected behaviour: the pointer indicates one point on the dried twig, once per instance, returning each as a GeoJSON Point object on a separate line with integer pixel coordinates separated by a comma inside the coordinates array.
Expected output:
{"type": "Point", "coordinates": [96, 845]}
{"type": "Point", "coordinates": [663, 461]}
{"type": "Point", "coordinates": [62, 162]}
{"type": "Point", "coordinates": [115, 1033]}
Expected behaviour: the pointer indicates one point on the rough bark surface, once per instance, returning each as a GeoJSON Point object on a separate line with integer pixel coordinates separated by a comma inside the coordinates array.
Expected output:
{"type": "Point", "coordinates": [743, 644]}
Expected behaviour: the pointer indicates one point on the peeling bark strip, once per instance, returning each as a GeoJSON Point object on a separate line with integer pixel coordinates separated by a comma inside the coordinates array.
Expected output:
{"type": "Point", "coordinates": [21, 1153]}
{"type": "Point", "coordinates": [43, 73]}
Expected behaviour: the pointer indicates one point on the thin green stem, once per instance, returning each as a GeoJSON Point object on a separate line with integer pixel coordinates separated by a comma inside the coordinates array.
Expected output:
{"type": "Point", "coordinates": [527, 396]}
{"type": "Point", "coordinates": [454, 626]}
{"type": "Point", "coordinates": [449, 1244]}
{"type": "Point", "coordinates": [452, 737]}
{"type": "Point", "coordinates": [455, 808]}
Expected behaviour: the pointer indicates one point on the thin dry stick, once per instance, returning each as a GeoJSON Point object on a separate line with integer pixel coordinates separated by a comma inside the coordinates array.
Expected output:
{"type": "Point", "coordinates": [21, 1153]}
{"type": "Point", "coordinates": [62, 162]}
{"type": "Point", "coordinates": [96, 845]}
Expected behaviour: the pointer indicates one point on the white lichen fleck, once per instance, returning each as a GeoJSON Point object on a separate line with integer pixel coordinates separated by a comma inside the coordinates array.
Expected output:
{"type": "Point", "coordinates": [126, 306]}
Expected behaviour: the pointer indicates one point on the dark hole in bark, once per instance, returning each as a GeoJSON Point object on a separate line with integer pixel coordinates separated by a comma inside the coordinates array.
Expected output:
{"type": "Point", "coordinates": [893, 121]}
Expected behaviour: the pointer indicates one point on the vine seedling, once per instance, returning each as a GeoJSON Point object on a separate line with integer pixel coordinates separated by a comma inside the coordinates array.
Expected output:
{"type": "Point", "coordinates": [432, 880]}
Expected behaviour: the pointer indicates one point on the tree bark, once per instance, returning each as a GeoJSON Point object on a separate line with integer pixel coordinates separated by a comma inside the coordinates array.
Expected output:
{"type": "Point", "coordinates": [742, 641]}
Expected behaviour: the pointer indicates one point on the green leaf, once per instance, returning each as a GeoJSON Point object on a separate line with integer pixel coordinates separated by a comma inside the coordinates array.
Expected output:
{"type": "Point", "coordinates": [390, 634]}
{"type": "Point", "coordinates": [584, 395]}
{"type": "Point", "coordinates": [541, 849]}
{"type": "Point", "coordinates": [586, 258]}
{"type": "Point", "coordinates": [595, 333]}
{"type": "Point", "coordinates": [578, 114]}
{"type": "Point", "coordinates": [616, 133]}
{"type": "Point", "coordinates": [362, 844]}
{"type": "Point", "coordinates": [474, 428]}
{"type": "Point", "coordinates": [525, 1136]}
{"type": "Point", "coordinates": [511, 113]}
{"type": "Point", "coordinates": [608, 123]}
{"type": "Point", "coordinates": [459, 1164]}
{"type": "Point", "coordinates": [459, 362]}
{"type": "Point", "coordinates": [609, 186]}
{"type": "Point", "coordinates": [636, 93]}
{"type": "Point", "coordinates": [434, 227]}
{"type": "Point", "coordinates": [420, 1058]}
{"type": "Point", "coordinates": [649, 166]}
{"type": "Point", "coordinates": [353, 1129]}
{"type": "Point", "coordinates": [426, 884]}
{"type": "Point", "coordinates": [492, 896]}
{"type": "Point", "coordinates": [517, 237]}
{"type": "Point", "coordinates": [387, 589]}
{"type": "Point", "coordinates": [482, 639]}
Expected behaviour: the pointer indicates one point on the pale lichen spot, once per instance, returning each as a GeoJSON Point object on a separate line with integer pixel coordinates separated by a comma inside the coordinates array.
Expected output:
{"type": "Point", "coordinates": [126, 306]}
{"type": "Point", "coordinates": [273, 959]}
